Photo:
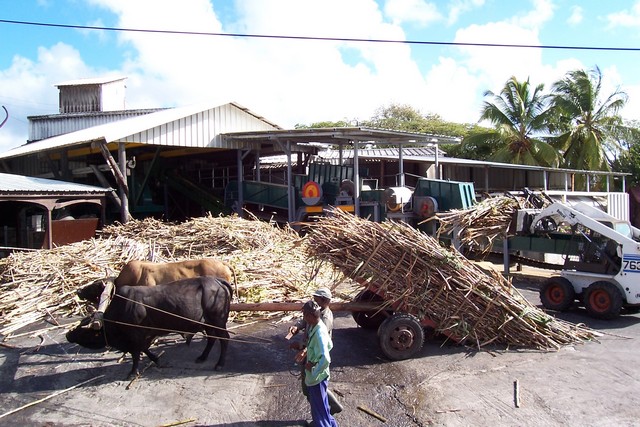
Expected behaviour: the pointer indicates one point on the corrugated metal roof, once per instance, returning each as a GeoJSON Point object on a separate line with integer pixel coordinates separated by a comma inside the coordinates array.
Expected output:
{"type": "Point", "coordinates": [343, 135]}
{"type": "Point", "coordinates": [10, 183]}
{"type": "Point", "coordinates": [90, 81]}
{"type": "Point", "coordinates": [413, 153]}
{"type": "Point", "coordinates": [382, 153]}
{"type": "Point", "coordinates": [192, 126]}
{"type": "Point", "coordinates": [48, 126]}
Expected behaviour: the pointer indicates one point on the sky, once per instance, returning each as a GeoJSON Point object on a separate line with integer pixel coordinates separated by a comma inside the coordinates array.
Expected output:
{"type": "Point", "coordinates": [301, 81]}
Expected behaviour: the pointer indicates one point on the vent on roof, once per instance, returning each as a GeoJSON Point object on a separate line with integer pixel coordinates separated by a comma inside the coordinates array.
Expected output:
{"type": "Point", "coordinates": [92, 95]}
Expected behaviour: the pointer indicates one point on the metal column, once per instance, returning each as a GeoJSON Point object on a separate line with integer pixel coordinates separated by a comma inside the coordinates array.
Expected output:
{"type": "Point", "coordinates": [124, 197]}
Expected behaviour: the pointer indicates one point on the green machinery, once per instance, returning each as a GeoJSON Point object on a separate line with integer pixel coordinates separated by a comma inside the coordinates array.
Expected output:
{"type": "Point", "coordinates": [329, 185]}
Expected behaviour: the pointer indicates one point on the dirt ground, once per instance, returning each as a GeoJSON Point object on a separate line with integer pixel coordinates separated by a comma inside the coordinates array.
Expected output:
{"type": "Point", "coordinates": [592, 384]}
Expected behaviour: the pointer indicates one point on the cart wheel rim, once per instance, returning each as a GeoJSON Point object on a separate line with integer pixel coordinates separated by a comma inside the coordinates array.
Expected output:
{"type": "Point", "coordinates": [555, 294]}
{"type": "Point", "coordinates": [402, 338]}
{"type": "Point", "coordinates": [600, 301]}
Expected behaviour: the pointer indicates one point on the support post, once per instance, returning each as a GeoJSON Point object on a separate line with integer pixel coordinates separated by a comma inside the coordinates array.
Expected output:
{"type": "Point", "coordinates": [240, 183]}
{"type": "Point", "coordinates": [505, 254]}
{"type": "Point", "coordinates": [124, 196]}
{"type": "Point", "coordinates": [356, 179]}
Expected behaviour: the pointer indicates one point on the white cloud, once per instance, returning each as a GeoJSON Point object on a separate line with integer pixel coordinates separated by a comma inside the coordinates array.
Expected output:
{"type": "Point", "coordinates": [27, 87]}
{"type": "Point", "coordinates": [576, 17]}
{"type": "Point", "coordinates": [458, 7]}
{"type": "Point", "coordinates": [625, 18]}
{"type": "Point", "coordinates": [419, 12]}
{"type": "Point", "coordinates": [451, 91]}
{"type": "Point", "coordinates": [541, 13]}
{"type": "Point", "coordinates": [288, 81]}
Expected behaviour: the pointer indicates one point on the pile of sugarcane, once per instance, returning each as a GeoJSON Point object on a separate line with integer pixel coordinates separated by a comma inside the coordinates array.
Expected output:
{"type": "Point", "coordinates": [427, 280]}
{"type": "Point", "coordinates": [477, 227]}
{"type": "Point", "coordinates": [269, 266]}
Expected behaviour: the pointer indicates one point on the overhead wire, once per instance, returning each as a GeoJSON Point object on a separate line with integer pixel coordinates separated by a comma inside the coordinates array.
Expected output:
{"type": "Point", "coordinates": [312, 38]}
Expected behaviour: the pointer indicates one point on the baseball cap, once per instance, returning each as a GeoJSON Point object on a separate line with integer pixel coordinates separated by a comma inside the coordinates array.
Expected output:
{"type": "Point", "coordinates": [311, 307]}
{"type": "Point", "coordinates": [322, 292]}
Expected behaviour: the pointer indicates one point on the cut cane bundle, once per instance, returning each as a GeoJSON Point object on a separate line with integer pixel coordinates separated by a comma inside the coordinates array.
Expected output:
{"type": "Point", "coordinates": [477, 227]}
{"type": "Point", "coordinates": [427, 280]}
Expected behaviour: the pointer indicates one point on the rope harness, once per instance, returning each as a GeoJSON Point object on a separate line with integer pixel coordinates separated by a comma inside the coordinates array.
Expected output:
{"type": "Point", "coordinates": [182, 318]}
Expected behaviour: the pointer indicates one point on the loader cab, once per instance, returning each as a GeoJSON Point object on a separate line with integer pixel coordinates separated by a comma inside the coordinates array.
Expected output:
{"type": "Point", "coordinates": [593, 252]}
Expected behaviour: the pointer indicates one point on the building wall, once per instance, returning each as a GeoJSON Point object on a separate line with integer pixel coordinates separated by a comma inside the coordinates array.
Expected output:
{"type": "Point", "coordinates": [42, 127]}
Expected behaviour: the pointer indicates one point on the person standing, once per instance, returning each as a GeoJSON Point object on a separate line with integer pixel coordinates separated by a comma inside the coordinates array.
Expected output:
{"type": "Point", "coordinates": [317, 374]}
{"type": "Point", "coordinates": [322, 297]}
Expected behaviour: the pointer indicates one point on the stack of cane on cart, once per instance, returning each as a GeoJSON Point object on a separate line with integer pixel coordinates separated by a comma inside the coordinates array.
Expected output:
{"type": "Point", "coordinates": [428, 280]}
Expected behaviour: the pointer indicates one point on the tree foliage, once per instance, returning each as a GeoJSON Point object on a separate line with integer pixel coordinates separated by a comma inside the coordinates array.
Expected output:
{"type": "Point", "coordinates": [587, 124]}
{"type": "Point", "coordinates": [518, 114]}
{"type": "Point", "coordinates": [404, 117]}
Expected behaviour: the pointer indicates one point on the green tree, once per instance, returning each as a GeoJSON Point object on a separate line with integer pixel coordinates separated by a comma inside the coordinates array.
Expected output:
{"type": "Point", "coordinates": [518, 115]}
{"type": "Point", "coordinates": [589, 129]}
{"type": "Point", "coordinates": [400, 117]}
{"type": "Point", "coordinates": [325, 124]}
{"type": "Point", "coordinates": [628, 160]}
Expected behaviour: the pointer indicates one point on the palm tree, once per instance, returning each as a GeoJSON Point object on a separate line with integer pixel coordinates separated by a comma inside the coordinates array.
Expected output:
{"type": "Point", "coordinates": [519, 117]}
{"type": "Point", "coordinates": [589, 127]}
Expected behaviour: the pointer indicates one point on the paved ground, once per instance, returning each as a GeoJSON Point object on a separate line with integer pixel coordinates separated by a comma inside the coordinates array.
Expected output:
{"type": "Point", "coordinates": [594, 384]}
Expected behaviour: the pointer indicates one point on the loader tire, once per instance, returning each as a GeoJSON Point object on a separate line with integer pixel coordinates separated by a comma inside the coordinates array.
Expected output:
{"type": "Point", "coordinates": [603, 300]}
{"type": "Point", "coordinates": [557, 293]}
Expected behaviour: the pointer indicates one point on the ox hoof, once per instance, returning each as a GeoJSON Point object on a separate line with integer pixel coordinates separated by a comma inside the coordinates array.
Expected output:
{"type": "Point", "coordinates": [200, 360]}
{"type": "Point", "coordinates": [218, 367]}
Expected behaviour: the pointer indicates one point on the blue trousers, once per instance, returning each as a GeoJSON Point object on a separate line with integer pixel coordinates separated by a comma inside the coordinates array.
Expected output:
{"type": "Point", "coordinates": [320, 405]}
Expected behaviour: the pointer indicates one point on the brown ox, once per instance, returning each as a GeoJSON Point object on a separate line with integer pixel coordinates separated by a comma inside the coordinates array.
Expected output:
{"type": "Point", "coordinates": [145, 273]}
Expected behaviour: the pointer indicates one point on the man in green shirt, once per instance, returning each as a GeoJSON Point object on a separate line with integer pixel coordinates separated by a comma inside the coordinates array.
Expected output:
{"type": "Point", "coordinates": [322, 297]}
{"type": "Point", "coordinates": [317, 366]}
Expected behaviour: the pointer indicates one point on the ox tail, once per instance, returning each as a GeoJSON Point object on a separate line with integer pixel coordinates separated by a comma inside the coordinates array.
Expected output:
{"type": "Point", "coordinates": [228, 286]}
{"type": "Point", "coordinates": [235, 282]}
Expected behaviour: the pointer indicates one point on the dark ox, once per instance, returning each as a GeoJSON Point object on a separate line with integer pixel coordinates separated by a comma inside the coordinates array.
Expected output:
{"type": "Point", "coordinates": [129, 326]}
{"type": "Point", "coordinates": [146, 273]}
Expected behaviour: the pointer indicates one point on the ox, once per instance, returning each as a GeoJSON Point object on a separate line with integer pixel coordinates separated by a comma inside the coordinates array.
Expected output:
{"type": "Point", "coordinates": [145, 273]}
{"type": "Point", "coordinates": [139, 314]}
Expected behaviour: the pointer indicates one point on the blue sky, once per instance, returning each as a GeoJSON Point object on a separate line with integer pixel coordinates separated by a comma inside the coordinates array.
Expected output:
{"type": "Point", "coordinates": [293, 81]}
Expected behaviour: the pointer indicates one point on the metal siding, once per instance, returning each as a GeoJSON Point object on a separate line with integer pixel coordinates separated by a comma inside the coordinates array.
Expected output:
{"type": "Point", "coordinates": [618, 205]}
{"type": "Point", "coordinates": [42, 128]}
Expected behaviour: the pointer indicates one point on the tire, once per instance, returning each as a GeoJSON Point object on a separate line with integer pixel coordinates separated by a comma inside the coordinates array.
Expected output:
{"type": "Point", "coordinates": [370, 319]}
{"type": "Point", "coordinates": [603, 300]}
{"type": "Point", "coordinates": [401, 336]}
{"type": "Point", "coordinates": [557, 293]}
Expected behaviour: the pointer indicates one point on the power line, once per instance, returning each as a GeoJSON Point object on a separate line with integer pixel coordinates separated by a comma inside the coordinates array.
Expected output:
{"type": "Point", "coordinates": [339, 39]}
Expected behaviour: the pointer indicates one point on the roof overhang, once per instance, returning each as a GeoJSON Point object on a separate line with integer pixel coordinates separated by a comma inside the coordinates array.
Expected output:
{"type": "Point", "coordinates": [341, 136]}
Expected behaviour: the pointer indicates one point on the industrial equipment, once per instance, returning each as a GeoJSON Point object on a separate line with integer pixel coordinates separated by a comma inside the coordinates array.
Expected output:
{"type": "Point", "coordinates": [602, 258]}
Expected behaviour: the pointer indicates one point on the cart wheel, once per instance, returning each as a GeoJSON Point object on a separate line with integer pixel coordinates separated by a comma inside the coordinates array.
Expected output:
{"type": "Point", "coordinates": [370, 319]}
{"type": "Point", "coordinates": [603, 300]}
{"type": "Point", "coordinates": [401, 336]}
{"type": "Point", "coordinates": [557, 294]}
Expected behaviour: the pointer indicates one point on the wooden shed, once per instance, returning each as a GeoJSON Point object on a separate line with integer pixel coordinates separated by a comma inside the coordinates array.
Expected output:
{"type": "Point", "coordinates": [44, 213]}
